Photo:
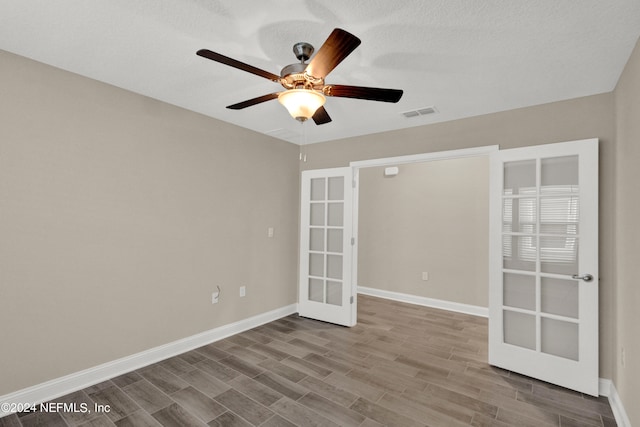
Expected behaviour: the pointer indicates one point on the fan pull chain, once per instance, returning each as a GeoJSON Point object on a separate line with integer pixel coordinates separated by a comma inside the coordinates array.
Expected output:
{"type": "Point", "coordinates": [303, 142]}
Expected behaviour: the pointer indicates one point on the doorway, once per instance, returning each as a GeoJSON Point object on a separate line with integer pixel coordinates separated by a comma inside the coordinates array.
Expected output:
{"type": "Point", "coordinates": [424, 232]}
{"type": "Point", "coordinates": [557, 249]}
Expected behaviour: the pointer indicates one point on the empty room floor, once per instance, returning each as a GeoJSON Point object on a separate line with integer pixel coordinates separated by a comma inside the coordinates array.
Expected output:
{"type": "Point", "coordinates": [402, 365]}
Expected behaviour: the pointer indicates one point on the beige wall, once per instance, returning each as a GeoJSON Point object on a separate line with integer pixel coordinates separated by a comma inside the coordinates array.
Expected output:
{"type": "Point", "coordinates": [581, 118]}
{"type": "Point", "coordinates": [118, 216]}
{"type": "Point", "coordinates": [432, 217]}
{"type": "Point", "coordinates": [627, 98]}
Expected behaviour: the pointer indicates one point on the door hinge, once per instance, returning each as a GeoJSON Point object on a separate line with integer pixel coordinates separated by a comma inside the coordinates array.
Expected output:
{"type": "Point", "coordinates": [353, 241]}
{"type": "Point", "coordinates": [351, 300]}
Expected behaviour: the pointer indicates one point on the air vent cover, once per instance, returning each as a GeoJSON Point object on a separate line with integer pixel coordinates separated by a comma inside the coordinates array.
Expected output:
{"type": "Point", "coordinates": [420, 112]}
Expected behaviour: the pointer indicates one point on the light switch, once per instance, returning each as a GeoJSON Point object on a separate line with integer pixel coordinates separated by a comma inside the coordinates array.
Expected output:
{"type": "Point", "coordinates": [270, 231]}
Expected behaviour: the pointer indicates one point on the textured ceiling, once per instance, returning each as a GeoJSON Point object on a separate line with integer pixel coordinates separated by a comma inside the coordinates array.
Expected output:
{"type": "Point", "coordinates": [465, 57]}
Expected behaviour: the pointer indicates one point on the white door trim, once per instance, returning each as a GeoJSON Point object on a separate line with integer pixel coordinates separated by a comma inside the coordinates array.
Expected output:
{"type": "Point", "coordinates": [426, 157]}
{"type": "Point", "coordinates": [399, 160]}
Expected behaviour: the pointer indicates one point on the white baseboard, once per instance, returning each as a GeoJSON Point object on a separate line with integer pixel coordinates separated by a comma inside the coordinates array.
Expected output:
{"type": "Point", "coordinates": [428, 302]}
{"type": "Point", "coordinates": [608, 389]}
{"type": "Point", "coordinates": [88, 377]}
{"type": "Point", "coordinates": [64, 385]}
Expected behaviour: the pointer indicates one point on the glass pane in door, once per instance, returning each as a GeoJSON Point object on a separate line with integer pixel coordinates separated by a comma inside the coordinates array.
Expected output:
{"type": "Point", "coordinates": [520, 329]}
{"type": "Point", "coordinates": [559, 254]}
{"type": "Point", "coordinates": [559, 175]}
{"type": "Point", "coordinates": [316, 290]}
{"type": "Point", "coordinates": [519, 252]}
{"type": "Point", "coordinates": [559, 296]}
{"type": "Point", "coordinates": [336, 188]}
{"type": "Point", "coordinates": [317, 189]}
{"type": "Point", "coordinates": [520, 178]}
{"type": "Point", "coordinates": [559, 215]}
{"type": "Point", "coordinates": [336, 213]}
{"type": "Point", "coordinates": [334, 266]}
{"type": "Point", "coordinates": [334, 292]}
{"type": "Point", "coordinates": [560, 338]}
{"type": "Point", "coordinates": [334, 240]}
{"type": "Point", "coordinates": [519, 291]}
{"type": "Point", "coordinates": [316, 239]}
{"type": "Point", "coordinates": [317, 214]}
{"type": "Point", "coordinates": [316, 265]}
{"type": "Point", "coordinates": [519, 215]}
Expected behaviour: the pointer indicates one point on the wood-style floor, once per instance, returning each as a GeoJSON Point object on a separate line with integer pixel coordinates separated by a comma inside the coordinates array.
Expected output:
{"type": "Point", "coordinates": [402, 365]}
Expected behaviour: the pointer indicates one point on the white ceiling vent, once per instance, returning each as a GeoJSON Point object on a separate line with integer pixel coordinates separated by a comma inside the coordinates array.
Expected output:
{"type": "Point", "coordinates": [420, 112]}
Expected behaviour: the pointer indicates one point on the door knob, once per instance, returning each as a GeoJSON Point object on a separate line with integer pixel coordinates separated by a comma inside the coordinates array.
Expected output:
{"type": "Point", "coordinates": [586, 277]}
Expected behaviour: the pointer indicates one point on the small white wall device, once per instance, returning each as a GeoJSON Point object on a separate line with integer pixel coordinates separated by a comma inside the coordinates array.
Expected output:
{"type": "Point", "coordinates": [392, 171]}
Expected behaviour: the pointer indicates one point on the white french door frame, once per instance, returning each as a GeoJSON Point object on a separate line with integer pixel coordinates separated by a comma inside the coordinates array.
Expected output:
{"type": "Point", "coordinates": [328, 306]}
{"type": "Point", "coordinates": [351, 250]}
{"type": "Point", "coordinates": [403, 160]}
{"type": "Point", "coordinates": [396, 161]}
{"type": "Point", "coordinates": [581, 373]}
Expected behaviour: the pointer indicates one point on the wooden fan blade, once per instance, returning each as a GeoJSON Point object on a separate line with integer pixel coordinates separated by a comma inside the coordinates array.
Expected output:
{"type": "Point", "coordinates": [254, 101]}
{"type": "Point", "coordinates": [337, 47]}
{"type": "Point", "coordinates": [360, 92]}
{"type": "Point", "coordinates": [321, 116]}
{"type": "Point", "coordinates": [205, 53]}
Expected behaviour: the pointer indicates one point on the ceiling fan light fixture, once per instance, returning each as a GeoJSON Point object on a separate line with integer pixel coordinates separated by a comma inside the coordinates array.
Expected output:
{"type": "Point", "coordinates": [301, 103]}
{"type": "Point", "coordinates": [304, 83]}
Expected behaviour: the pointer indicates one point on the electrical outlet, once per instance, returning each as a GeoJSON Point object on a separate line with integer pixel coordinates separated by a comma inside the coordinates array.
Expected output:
{"type": "Point", "coordinates": [243, 291]}
{"type": "Point", "coordinates": [425, 276]}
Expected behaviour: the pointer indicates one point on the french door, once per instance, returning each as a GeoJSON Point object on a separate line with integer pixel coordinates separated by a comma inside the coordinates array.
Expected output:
{"type": "Point", "coordinates": [543, 291]}
{"type": "Point", "coordinates": [325, 287]}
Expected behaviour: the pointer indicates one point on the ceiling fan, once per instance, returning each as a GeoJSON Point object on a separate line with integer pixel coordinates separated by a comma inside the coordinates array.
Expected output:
{"type": "Point", "coordinates": [305, 88]}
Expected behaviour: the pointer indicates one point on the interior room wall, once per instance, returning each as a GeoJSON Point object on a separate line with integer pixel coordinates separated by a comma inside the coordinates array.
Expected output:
{"type": "Point", "coordinates": [120, 214]}
{"type": "Point", "coordinates": [580, 118]}
{"type": "Point", "coordinates": [627, 98]}
{"type": "Point", "coordinates": [432, 217]}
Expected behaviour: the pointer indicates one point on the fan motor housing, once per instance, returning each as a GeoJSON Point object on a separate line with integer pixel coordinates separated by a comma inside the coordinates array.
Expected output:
{"type": "Point", "coordinates": [291, 69]}
{"type": "Point", "coordinates": [293, 76]}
